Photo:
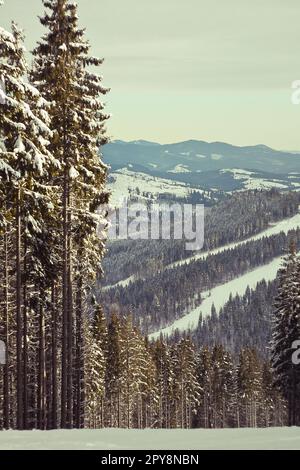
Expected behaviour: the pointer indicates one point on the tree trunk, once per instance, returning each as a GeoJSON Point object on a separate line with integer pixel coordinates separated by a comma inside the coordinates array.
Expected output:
{"type": "Point", "coordinates": [6, 398]}
{"type": "Point", "coordinates": [19, 335]}
{"type": "Point", "coordinates": [25, 343]}
{"type": "Point", "coordinates": [65, 278]}
{"type": "Point", "coordinates": [70, 343]}
{"type": "Point", "coordinates": [41, 384]}
{"type": "Point", "coordinates": [54, 357]}
{"type": "Point", "coordinates": [79, 409]}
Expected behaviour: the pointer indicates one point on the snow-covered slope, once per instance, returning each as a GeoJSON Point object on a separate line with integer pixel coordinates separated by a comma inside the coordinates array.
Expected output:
{"type": "Point", "coordinates": [123, 283]}
{"type": "Point", "coordinates": [125, 181]}
{"type": "Point", "coordinates": [153, 439]}
{"type": "Point", "coordinates": [250, 180]}
{"type": "Point", "coordinates": [283, 226]}
{"type": "Point", "coordinates": [219, 296]}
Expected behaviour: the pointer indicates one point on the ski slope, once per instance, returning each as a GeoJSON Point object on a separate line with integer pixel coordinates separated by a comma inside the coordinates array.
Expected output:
{"type": "Point", "coordinates": [123, 283]}
{"type": "Point", "coordinates": [219, 296]}
{"type": "Point", "coordinates": [284, 226]}
{"type": "Point", "coordinates": [153, 439]}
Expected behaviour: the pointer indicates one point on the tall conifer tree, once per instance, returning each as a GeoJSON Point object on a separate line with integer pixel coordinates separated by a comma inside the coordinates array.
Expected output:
{"type": "Point", "coordinates": [61, 72]}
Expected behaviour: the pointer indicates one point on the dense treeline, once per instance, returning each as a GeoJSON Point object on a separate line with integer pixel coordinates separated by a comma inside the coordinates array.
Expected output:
{"type": "Point", "coordinates": [237, 217]}
{"type": "Point", "coordinates": [137, 384]}
{"type": "Point", "coordinates": [173, 292]}
{"type": "Point", "coordinates": [247, 213]}
{"type": "Point", "coordinates": [52, 184]}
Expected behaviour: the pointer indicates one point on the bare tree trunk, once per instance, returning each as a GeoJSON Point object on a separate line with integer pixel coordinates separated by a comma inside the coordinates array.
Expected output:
{"type": "Point", "coordinates": [70, 375]}
{"type": "Point", "coordinates": [79, 411]}
{"type": "Point", "coordinates": [25, 343]}
{"type": "Point", "coordinates": [182, 405]}
{"type": "Point", "coordinates": [19, 335]}
{"type": "Point", "coordinates": [65, 278]}
{"type": "Point", "coordinates": [6, 398]}
{"type": "Point", "coordinates": [54, 357]}
{"type": "Point", "coordinates": [41, 385]}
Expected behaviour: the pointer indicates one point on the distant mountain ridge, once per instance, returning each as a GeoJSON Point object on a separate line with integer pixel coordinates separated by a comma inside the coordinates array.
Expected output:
{"type": "Point", "coordinates": [207, 165]}
{"type": "Point", "coordinates": [199, 156]}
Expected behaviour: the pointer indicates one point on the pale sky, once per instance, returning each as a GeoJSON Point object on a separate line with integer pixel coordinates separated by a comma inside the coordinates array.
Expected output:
{"type": "Point", "coordinates": [193, 69]}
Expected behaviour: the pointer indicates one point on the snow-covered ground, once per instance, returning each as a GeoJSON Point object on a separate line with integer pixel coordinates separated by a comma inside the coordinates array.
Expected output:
{"type": "Point", "coordinates": [154, 439]}
{"type": "Point", "coordinates": [126, 180]}
{"type": "Point", "coordinates": [251, 182]}
{"type": "Point", "coordinates": [219, 296]}
{"type": "Point", "coordinates": [180, 169]}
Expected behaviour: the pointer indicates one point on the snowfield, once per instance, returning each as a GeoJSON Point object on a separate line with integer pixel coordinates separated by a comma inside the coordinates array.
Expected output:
{"type": "Point", "coordinates": [220, 295]}
{"type": "Point", "coordinates": [250, 182]}
{"type": "Point", "coordinates": [126, 181]}
{"type": "Point", "coordinates": [180, 169]}
{"type": "Point", "coordinates": [154, 439]}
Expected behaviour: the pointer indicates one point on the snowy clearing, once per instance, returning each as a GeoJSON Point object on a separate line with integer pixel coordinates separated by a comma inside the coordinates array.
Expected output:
{"type": "Point", "coordinates": [177, 439]}
{"type": "Point", "coordinates": [219, 296]}
{"type": "Point", "coordinates": [180, 169]}
{"type": "Point", "coordinates": [250, 182]}
{"type": "Point", "coordinates": [216, 156]}
{"type": "Point", "coordinates": [126, 181]}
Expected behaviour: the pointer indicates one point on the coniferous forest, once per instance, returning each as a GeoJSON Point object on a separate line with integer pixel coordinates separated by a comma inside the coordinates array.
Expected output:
{"type": "Point", "coordinates": [52, 124]}
{"type": "Point", "coordinates": [78, 355]}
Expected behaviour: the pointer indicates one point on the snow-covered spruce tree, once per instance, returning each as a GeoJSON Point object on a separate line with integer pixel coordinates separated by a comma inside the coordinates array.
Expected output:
{"type": "Point", "coordinates": [61, 72]}
{"type": "Point", "coordinates": [27, 163]}
{"type": "Point", "coordinates": [149, 394]}
{"type": "Point", "coordinates": [114, 373]}
{"type": "Point", "coordinates": [186, 389]}
{"type": "Point", "coordinates": [222, 388]}
{"type": "Point", "coordinates": [164, 379]}
{"type": "Point", "coordinates": [145, 403]}
{"type": "Point", "coordinates": [204, 368]}
{"type": "Point", "coordinates": [249, 385]}
{"type": "Point", "coordinates": [273, 409]}
{"type": "Point", "coordinates": [95, 370]}
{"type": "Point", "coordinates": [131, 369]}
{"type": "Point", "coordinates": [294, 337]}
{"type": "Point", "coordinates": [7, 177]}
{"type": "Point", "coordinates": [286, 330]}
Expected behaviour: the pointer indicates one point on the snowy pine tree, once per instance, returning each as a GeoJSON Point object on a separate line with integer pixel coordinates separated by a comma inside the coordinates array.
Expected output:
{"type": "Point", "coordinates": [95, 370]}
{"type": "Point", "coordinates": [287, 330]}
{"type": "Point", "coordinates": [25, 133]}
{"type": "Point", "coordinates": [186, 389]}
{"type": "Point", "coordinates": [61, 73]}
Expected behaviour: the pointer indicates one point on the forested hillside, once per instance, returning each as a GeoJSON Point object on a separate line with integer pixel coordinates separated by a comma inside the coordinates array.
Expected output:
{"type": "Point", "coordinates": [161, 298]}
{"type": "Point", "coordinates": [237, 217]}
{"type": "Point", "coordinates": [160, 290]}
